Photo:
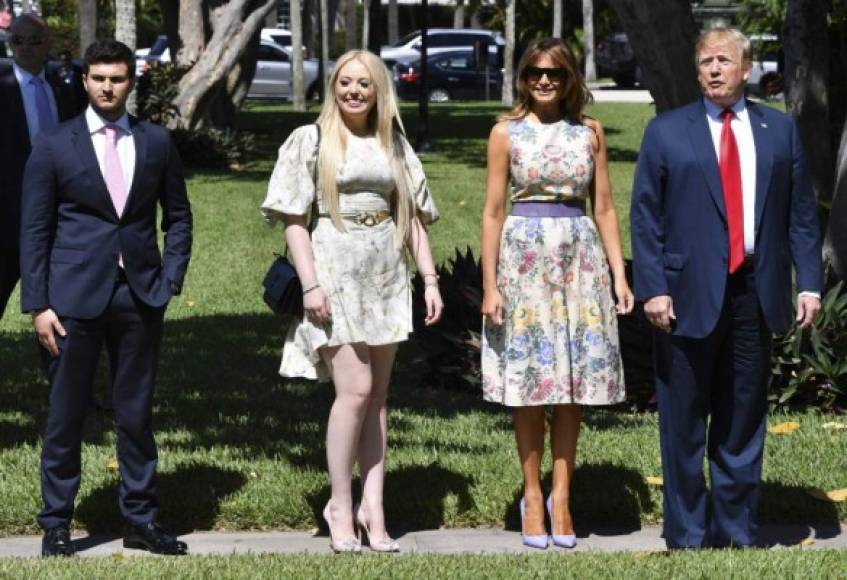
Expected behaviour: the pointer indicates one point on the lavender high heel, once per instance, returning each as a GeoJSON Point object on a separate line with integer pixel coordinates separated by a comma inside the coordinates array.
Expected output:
{"type": "Point", "coordinates": [561, 540]}
{"type": "Point", "coordinates": [539, 542]}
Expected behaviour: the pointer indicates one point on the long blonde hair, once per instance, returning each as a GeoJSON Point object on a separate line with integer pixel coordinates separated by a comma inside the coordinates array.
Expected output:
{"type": "Point", "coordinates": [381, 122]}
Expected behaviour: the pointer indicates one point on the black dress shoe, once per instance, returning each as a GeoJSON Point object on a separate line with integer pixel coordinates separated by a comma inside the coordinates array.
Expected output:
{"type": "Point", "coordinates": [154, 539]}
{"type": "Point", "coordinates": [57, 542]}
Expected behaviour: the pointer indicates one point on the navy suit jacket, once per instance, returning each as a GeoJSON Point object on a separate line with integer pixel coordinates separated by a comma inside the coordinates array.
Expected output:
{"type": "Point", "coordinates": [71, 234]}
{"type": "Point", "coordinates": [680, 244]}
{"type": "Point", "coordinates": [15, 145]}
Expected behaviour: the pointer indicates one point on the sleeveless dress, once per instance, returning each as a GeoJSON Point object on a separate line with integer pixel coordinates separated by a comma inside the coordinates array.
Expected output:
{"type": "Point", "coordinates": [559, 341]}
{"type": "Point", "coordinates": [362, 270]}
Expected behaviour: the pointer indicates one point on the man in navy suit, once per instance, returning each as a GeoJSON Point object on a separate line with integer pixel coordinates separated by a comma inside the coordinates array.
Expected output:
{"type": "Point", "coordinates": [92, 274]}
{"type": "Point", "coordinates": [721, 207]}
{"type": "Point", "coordinates": [25, 83]}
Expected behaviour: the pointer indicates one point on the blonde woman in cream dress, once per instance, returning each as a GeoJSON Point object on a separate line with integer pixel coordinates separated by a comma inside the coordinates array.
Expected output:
{"type": "Point", "coordinates": [373, 202]}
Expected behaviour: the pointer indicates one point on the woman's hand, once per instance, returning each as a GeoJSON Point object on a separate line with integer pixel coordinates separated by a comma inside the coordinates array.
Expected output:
{"type": "Point", "coordinates": [317, 307]}
{"type": "Point", "coordinates": [626, 301]}
{"type": "Point", "coordinates": [492, 306]}
{"type": "Point", "coordinates": [434, 304]}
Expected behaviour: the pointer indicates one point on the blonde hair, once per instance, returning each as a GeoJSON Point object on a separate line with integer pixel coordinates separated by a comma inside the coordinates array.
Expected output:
{"type": "Point", "coordinates": [381, 122]}
{"type": "Point", "coordinates": [723, 35]}
{"type": "Point", "coordinates": [575, 95]}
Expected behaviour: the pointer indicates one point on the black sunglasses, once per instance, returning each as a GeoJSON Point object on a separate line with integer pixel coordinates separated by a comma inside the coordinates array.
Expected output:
{"type": "Point", "coordinates": [28, 40]}
{"type": "Point", "coordinates": [534, 73]}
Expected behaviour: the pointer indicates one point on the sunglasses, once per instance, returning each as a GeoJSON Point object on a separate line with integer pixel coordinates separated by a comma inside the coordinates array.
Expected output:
{"type": "Point", "coordinates": [26, 40]}
{"type": "Point", "coordinates": [533, 74]}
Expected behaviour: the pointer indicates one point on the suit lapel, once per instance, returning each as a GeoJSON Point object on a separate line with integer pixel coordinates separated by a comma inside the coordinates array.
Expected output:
{"type": "Point", "coordinates": [704, 148]}
{"type": "Point", "coordinates": [88, 158]}
{"type": "Point", "coordinates": [762, 139]}
{"type": "Point", "coordinates": [139, 136]}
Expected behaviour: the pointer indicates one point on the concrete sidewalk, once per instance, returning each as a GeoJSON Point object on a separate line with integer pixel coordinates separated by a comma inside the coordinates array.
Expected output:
{"type": "Point", "coordinates": [444, 541]}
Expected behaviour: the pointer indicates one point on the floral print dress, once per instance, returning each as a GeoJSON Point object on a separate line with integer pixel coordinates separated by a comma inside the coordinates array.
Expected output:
{"type": "Point", "coordinates": [558, 342]}
{"type": "Point", "coordinates": [362, 270]}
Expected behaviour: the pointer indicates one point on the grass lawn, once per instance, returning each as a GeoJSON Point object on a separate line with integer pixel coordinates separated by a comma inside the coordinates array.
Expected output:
{"type": "Point", "coordinates": [240, 448]}
{"type": "Point", "coordinates": [788, 564]}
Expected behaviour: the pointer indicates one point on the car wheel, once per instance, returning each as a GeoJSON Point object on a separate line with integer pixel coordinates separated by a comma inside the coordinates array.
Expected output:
{"type": "Point", "coordinates": [312, 93]}
{"type": "Point", "coordinates": [771, 84]}
{"type": "Point", "coordinates": [439, 95]}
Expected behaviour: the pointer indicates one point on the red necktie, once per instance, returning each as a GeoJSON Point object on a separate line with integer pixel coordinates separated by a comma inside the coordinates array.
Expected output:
{"type": "Point", "coordinates": [730, 166]}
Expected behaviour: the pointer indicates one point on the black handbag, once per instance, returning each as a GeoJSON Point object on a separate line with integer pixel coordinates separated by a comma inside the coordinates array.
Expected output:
{"type": "Point", "coordinates": [283, 291]}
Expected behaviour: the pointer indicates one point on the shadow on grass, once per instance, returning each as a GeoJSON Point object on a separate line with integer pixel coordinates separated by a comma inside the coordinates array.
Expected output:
{"type": "Point", "coordinates": [189, 499]}
{"type": "Point", "coordinates": [791, 504]}
{"type": "Point", "coordinates": [415, 497]}
{"type": "Point", "coordinates": [604, 498]}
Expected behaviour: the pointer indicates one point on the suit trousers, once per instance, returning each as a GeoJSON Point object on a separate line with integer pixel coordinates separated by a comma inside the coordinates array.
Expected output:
{"type": "Point", "coordinates": [10, 273]}
{"type": "Point", "coordinates": [712, 395]}
{"type": "Point", "coordinates": [131, 332]}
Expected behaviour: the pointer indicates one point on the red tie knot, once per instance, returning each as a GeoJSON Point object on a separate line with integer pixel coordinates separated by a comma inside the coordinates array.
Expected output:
{"type": "Point", "coordinates": [727, 114]}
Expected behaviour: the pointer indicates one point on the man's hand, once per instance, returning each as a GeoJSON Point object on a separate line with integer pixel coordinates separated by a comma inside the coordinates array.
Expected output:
{"type": "Point", "coordinates": [46, 323]}
{"type": "Point", "coordinates": [807, 308]}
{"type": "Point", "coordinates": [659, 311]}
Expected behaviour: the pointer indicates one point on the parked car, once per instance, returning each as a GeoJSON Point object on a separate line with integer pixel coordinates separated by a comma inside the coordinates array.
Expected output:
{"type": "Point", "coordinates": [408, 48]}
{"type": "Point", "coordinates": [452, 75]}
{"type": "Point", "coordinates": [615, 58]}
{"type": "Point", "coordinates": [159, 52]}
{"type": "Point", "coordinates": [273, 74]}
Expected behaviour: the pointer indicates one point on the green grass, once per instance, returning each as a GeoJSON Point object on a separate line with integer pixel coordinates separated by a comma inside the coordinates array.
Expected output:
{"type": "Point", "coordinates": [787, 564]}
{"type": "Point", "coordinates": [241, 448]}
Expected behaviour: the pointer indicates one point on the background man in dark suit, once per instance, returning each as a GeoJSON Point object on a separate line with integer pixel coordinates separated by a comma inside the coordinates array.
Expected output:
{"type": "Point", "coordinates": [721, 206]}
{"type": "Point", "coordinates": [33, 97]}
{"type": "Point", "coordinates": [93, 275]}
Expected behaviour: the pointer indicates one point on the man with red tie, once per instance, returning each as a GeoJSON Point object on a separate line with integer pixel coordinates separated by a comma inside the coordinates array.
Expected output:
{"type": "Point", "coordinates": [721, 207]}
{"type": "Point", "coordinates": [93, 276]}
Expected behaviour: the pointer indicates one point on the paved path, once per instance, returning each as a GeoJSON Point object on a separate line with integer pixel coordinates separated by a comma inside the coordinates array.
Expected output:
{"type": "Point", "coordinates": [445, 541]}
{"type": "Point", "coordinates": [610, 93]}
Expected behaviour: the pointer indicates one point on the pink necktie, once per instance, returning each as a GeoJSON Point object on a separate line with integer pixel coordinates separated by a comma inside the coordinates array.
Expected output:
{"type": "Point", "coordinates": [113, 172]}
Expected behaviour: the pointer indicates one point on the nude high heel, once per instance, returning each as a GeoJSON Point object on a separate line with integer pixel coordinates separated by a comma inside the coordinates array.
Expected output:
{"type": "Point", "coordinates": [350, 545]}
{"type": "Point", "coordinates": [385, 545]}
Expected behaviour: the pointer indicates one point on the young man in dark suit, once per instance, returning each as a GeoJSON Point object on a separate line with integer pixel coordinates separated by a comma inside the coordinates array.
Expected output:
{"type": "Point", "coordinates": [92, 274]}
{"type": "Point", "coordinates": [721, 208]}
{"type": "Point", "coordinates": [33, 98]}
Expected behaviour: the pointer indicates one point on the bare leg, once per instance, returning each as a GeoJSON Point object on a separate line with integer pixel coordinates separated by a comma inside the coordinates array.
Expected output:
{"type": "Point", "coordinates": [351, 374]}
{"type": "Point", "coordinates": [529, 432]}
{"type": "Point", "coordinates": [564, 433]}
{"type": "Point", "coordinates": [372, 443]}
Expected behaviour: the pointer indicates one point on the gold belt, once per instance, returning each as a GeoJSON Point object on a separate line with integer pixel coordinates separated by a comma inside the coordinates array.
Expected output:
{"type": "Point", "coordinates": [363, 218]}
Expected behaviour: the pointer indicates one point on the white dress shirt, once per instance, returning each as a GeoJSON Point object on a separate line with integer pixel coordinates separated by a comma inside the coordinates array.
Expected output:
{"type": "Point", "coordinates": [747, 156]}
{"type": "Point", "coordinates": [123, 141]}
{"type": "Point", "coordinates": [28, 97]}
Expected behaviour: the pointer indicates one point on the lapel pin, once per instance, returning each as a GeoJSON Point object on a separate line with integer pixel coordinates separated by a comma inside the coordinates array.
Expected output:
{"type": "Point", "coordinates": [764, 125]}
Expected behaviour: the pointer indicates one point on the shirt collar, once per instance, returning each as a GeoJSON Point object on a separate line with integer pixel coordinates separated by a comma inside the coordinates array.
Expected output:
{"type": "Point", "coordinates": [96, 123]}
{"type": "Point", "coordinates": [24, 77]}
{"type": "Point", "coordinates": [714, 111]}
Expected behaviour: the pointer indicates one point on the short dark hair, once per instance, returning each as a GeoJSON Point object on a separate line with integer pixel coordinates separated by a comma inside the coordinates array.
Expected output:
{"type": "Point", "coordinates": [109, 51]}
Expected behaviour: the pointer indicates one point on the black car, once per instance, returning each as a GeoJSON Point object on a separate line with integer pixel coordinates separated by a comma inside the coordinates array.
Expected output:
{"type": "Point", "coordinates": [452, 76]}
{"type": "Point", "coordinates": [615, 58]}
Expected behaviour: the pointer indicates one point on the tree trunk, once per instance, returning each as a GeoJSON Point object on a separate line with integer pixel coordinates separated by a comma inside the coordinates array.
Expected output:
{"type": "Point", "coordinates": [192, 33]}
{"type": "Point", "coordinates": [25, 6]}
{"type": "Point", "coordinates": [662, 34]}
{"type": "Point", "coordinates": [835, 248]}
{"type": "Point", "coordinates": [366, 24]}
{"type": "Point", "coordinates": [325, 38]}
{"type": "Point", "coordinates": [87, 24]}
{"type": "Point", "coordinates": [352, 24]}
{"type": "Point", "coordinates": [125, 25]}
{"type": "Point", "coordinates": [393, 22]}
{"type": "Point", "coordinates": [311, 27]}
{"type": "Point", "coordinates": [459, 14]}
{"type": "Point", "coordinates": [216, 83]}
{"type": "Point", "coordinates": [806, 45]}
{"type": "Point", "coordinates": [298, 87]}
{"type": "Point", "coordinates": [376, 35]}
{"type": "Point", "coordinates": [557, 18]}
{"type": "Point", "coordinates": [588, 39]}
{"type": "Point", "coordinates": [509, 55]}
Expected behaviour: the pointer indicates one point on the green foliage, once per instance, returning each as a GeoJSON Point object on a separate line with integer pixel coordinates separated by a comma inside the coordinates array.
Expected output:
{"type": "Point", "coordinates": [157, 89]}
{"type": "Point", "coordinates": [810, 368]}
{"type": "Point", "coordinates": [763, 15]}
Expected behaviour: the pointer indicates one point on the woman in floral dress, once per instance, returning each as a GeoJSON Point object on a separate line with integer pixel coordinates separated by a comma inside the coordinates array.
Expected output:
{"type": "Point", "coordinates": [550, 330]}
{"type": "Point", "coordinates": [372, 202]}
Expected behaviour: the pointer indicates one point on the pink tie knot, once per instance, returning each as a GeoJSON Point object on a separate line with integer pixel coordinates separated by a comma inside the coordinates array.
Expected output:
{"type": "Point", "coordinates": [111, 132]}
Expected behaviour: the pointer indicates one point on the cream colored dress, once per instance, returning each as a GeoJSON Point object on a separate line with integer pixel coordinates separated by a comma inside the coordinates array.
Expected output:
{"type": "Point", "coordinates": [361, 269]}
